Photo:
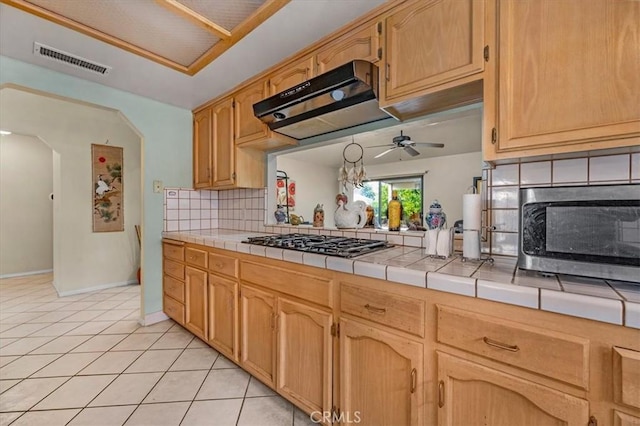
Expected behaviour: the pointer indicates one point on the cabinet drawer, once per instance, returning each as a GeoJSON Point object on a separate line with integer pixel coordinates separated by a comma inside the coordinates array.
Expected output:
{"type": "Point", "coordinates": [196, 257]}
{"type": "Point", "coordinates": [553, 354]}
{"type": "Point", "coordinates": [172, 251]}
{"type": "Point", "coordinates": [309, 287]}
{"type": "Point", "coordinates": [224, 265]}
{"type": "Point", "coordinates": [174, 309]}
{"type": "Point", "coordinates": [626, 377]}
{"type": "Point", "coordinates": [174, 269]}
{"type": "Point", "coordinates": [402, 313]}
{"type": "Point", "coordinates": [173, 288]}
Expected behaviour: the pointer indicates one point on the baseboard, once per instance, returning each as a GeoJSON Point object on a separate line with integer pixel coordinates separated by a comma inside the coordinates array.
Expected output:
{"type": "Point", "coordinates": [24, 274]}
{"type": "Point", "coordinates": [153, 318]}
{"type": "Point", "coordinates": [98, 287]}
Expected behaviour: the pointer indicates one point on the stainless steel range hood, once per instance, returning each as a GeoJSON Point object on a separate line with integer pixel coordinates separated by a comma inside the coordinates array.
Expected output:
{"type": "Point", "coordinates": [336, 100]}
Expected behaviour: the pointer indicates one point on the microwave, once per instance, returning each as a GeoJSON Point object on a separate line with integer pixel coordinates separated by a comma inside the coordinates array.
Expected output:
{"type": "Point", "coordinates": [591, 231]}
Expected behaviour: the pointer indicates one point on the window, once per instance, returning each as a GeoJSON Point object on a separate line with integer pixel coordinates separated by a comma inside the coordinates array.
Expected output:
{"type": "Point", "coordinates": [377, 193]}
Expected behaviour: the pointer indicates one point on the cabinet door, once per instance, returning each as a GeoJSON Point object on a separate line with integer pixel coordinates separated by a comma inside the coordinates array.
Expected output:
{"type": "Point", "coordinates": [223, 316]}
{"type": "Point", "coordinates": [258, 355]}
{"type": "Point", "coordinates": [433, 42]}
{"type": "Point", "coordinates": [290, 76]}
{"type": "Point", "coordinates": [196, 301]}
{"type": "Point", "coordinates": [202, 143]}
{"type": "Point", "coordinates": [247, 127]}
{"type": "Point", "coordinates": [223, 147]}
{"type": "Point", "coordinates": [381, 376]}
{"type": "Point", "coordinates": [471, 394]}
{"type": "Point", "coordinates": [304, 363]}
{"type": "Point", "coordinates": [568, 74]}
{"type": "Point", "coordinates": [363, 43]}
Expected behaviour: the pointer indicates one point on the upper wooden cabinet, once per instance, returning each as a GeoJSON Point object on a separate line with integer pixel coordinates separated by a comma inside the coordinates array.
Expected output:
{"type": "Point", "coordinates": [291, 75]}
{"type": "Point", "coordinates": [362, 43]}
{"type": "Point", "coordinates": [429, 43]}
{"type": "Point", "coordinates": [202, 158]}
{"type": "Point", "coordinates": [223, 148]}
{"type": "Point", "coordinates": [568, 77]}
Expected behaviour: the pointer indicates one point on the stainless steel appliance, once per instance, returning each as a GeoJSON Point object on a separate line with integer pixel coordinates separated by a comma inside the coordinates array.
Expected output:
{"type": "Point", "coordinates": [321, 244]}
{"type": "Point", "coordinates": [338, 99]}
{"type": "Point", "coordinates": [581, 230]}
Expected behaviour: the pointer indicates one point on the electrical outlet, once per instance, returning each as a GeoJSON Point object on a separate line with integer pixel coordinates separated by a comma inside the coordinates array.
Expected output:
{"type": "Point", "coordinates": [157, 186]}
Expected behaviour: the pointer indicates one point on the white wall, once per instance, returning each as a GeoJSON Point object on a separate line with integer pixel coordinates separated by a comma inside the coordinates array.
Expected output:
{"type": "Point", "coordinates": [83, 259]}
{"type": "Point", "coordinates": [26, 211]}
{"type": "Point", "coordinates": [447, 179]}
{"type": "Point", "coordinates": [314, 185]}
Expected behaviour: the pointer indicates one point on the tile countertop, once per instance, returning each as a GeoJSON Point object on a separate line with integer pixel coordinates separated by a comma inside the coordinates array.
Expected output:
{"type": "Point", "coordinates": [596, 299]}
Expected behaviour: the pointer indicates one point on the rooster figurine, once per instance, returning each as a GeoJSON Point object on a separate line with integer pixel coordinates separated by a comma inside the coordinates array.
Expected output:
{"type": "Point", "coordinates": [349, 215]}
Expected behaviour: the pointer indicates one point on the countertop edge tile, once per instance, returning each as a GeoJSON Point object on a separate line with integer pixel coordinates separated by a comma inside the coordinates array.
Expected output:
{"type": "Point", "coordinates": [580, 305]}
{"type": "Point", "coordinates": [340, 264]}
{"type": "Point", "coordinates": [632, 314]}
{"type": "Point", "coordinates": [464, 286]}
{"type": "Point", "coordinates": [407, 276]}
{"type": "Point", "coordinates": [372, 270]}
{"type": "Point", "coordinates": [508, 293]}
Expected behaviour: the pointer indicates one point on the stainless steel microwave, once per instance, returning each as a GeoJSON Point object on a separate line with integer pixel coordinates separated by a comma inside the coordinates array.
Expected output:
{"type": "Point", "coordinates": [591, 231]}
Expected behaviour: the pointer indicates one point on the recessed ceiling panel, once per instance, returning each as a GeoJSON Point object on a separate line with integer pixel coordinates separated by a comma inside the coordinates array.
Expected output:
{"type": "Point", "coordinates": [226, 13]}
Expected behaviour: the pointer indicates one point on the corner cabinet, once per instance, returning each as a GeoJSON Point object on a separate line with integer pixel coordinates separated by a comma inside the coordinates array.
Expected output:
{"type": "Point", "coordinates": [551, 96]}
{"type": "Point", "coordinates": [429, 43]}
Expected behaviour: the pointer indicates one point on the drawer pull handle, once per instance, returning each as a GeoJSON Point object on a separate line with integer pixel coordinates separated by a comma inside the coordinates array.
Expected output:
{"type": "Point", "coordinates": [414, 379]}
{"type": "Point", "coordinates": [495, 344]}
{"type": "Point", "coordinates": [441, 394]}
{"type": "Point", "coordinates": [375, 310]}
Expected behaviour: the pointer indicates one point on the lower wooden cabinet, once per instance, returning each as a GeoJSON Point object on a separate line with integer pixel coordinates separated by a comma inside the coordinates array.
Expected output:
{"type": "Point", "coordinates": [258, 324]}
{"type": "Point", "coordinates": [196, 301]}
{"type": "Point", "coordinates": [304, 357]}
{"type": "Point", "coordinates": [472, 394]}
{"type": "Point", "coordinates": [223, 316]}
{"type": "Point", "coordinates": [623, 419]}
{"type": "Point", "coordinates": [381, 376]}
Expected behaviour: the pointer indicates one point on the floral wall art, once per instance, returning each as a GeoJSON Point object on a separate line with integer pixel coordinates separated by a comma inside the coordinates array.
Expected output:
{"type": "Point", "coordinates": [108, 188]}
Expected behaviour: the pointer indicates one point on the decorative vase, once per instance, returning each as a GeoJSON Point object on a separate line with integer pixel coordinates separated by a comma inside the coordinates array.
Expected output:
{"type": "Point", "coordinates": [280, 215]}
{"type": "Point", "coordinates": [436, 218]}
{"type": "Point", "coordinates": [318, 216]}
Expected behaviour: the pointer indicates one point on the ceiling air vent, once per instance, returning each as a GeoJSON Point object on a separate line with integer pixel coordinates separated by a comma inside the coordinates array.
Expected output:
{"type": "Point", "coordinates": [69, 59]}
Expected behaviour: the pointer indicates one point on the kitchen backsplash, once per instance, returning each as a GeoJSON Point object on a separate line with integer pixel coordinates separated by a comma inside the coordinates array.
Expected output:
{"type": "Point", "coordinates": [244, 209]}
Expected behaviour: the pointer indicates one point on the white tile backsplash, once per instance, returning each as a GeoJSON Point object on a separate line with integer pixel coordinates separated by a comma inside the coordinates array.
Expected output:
{"type": "Point", "coordinates": [610, 167]}
{"type": "Point", "coordinates": [505, 197]}
{"type": "Point", "coordinates": [538, 173]}
{"type": "Point", "coordinates": [507, 174]}
{"type": "Point", "coordinates": [574, 170]}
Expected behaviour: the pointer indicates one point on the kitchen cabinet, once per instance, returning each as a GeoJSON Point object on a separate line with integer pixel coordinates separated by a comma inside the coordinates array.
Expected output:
{"type": "Point", "coordinates": [291, 75]}
{"type": "Point", "coordinates": [429, 43]}
{"type": "Point", "coordinates": [473, 394]}
{"type": "Point", "coordinates": [304, 359]}
{"type": "Point", "coordinates": [626, 377]}
{"type": "Point", "coordinates": [381, 376]}
{"type": "Point", "coordinates": [567, 78]}
{"type": "Point", "coordinates": [202, 159]}
{"type": "Point", "coordinates": [173, 287]}
{"type": "Point", "coordinates": [623, 419]}
{"type": "Point", "coordinates": [224, 166]}
{"type": "Point", "coordinates": [223, 316]}
{"type": "Point", "coordinates": [258, 333]}
{"type": "Point", "coordinates": [196, 302]}
{"type": "Point", "coordinates": [361, 43]}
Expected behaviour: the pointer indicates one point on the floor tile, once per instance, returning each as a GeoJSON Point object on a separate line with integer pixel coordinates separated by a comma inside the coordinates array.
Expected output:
{"type": "Point", "coordinates": [197, 344]}
{"type": "Point", "coordinates": [26, 366]}
{"type": "Point", "coordinates": [67, 365]}
{"type": "Point", "coordinates": [6, 418]}
{"type": "Point", "coordinates": [82, 316]}
{"type": "Point", "coordinates": [127, 389]}
{"type": "Point", "coordinates": [113, 315]}
{"type": "Point", "coordinates": [227, 383]}
{"type": "Point", "coordinates": [125, 326]}
{"type": "Point", "coordinates": [173, 341]}
{"type": "Point", "coordinates": [137, 342]}
{"type": "Point", "coordinates": [151, 361]}
{"type": "Point", "coordinates": [106, 305]}
{"type": "Point", "coordinates": [103, 416]}
{"type": "Point", "coordinates": [23, 330]}
{"type": "Point", "coordinates": [19, 317]}
{"type": "Point", "coordinates": [300, 418]}
{"type": "Point", "coordinates": [24, 345]}
{"type": "Point", "coordinates": [60, 345]}
{"type": "Point", "coordinates": [224, 362]}
{"type": "Point", "coordinates": [177, 386]}
{"type": "Point", "coordinates": [225, 412]}
{"type": "Point", "coordinates": [27, 393]}
{"type": "Point", "coordinates": [5, 385]}
{"type": "Point", "coordinates": [100, 343]}
{"type": "Point", "coordinates": [170, 414]}
{"type": "Point", "coordinates": [79, 306]}
{"type": "Point", "coordinates": [76, 393]}
{"type": "Point", "coordinates": [57, 329]}
{"type": "Point", "coordinates": [91, 328]}
{"type": "Point", "coordinates": [111, 363]}
{"type": "Point", "coordinates": [159, 327]}
{"type": "Point", "coordinates": [257, 388]}
{"type": "Point", "coordinates": [195, 359]}
{"type": "Point", "coordinates": [266, 411]}
{"type": "Point", "coordinates": [4, 360]}
{"type": "Point", "coordinates": [49, 418]}
{"type": "Point", "coordinates": [6, 342]}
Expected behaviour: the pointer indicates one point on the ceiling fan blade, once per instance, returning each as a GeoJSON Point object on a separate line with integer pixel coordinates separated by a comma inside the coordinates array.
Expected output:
{"type": "Point", "coordinates": [430, 144]}
{"type": "Point", "coordinates": [380, 146]}
{"type": "Point", "coordinates": [385, 152]}
{"type": "Point", "coordinates": [412, 152]}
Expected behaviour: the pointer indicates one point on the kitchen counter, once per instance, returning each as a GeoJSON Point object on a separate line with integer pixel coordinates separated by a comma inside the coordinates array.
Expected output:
{"type": "Point", "coordinates": [596, 299]}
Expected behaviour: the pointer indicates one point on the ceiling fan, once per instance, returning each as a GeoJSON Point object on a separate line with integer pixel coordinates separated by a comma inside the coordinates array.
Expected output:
{"type": "Point", "coordinates": [405, 142]}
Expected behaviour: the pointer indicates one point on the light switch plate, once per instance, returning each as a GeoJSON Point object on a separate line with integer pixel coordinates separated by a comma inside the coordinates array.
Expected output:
{"type": "Point", "coordinates": [157, 186]}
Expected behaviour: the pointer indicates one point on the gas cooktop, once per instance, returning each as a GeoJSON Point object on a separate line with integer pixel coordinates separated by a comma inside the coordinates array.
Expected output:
{"type": "Point", "coordinates": [321, 244]}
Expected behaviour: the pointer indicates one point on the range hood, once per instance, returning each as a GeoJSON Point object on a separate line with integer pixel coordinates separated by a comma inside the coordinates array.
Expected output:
{"type": "Point", "coordinates": [338, 99]}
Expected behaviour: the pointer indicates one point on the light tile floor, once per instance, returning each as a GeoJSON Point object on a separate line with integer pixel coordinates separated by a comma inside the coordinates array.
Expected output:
{"type": "Point", "coordinates": [85, 360]}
